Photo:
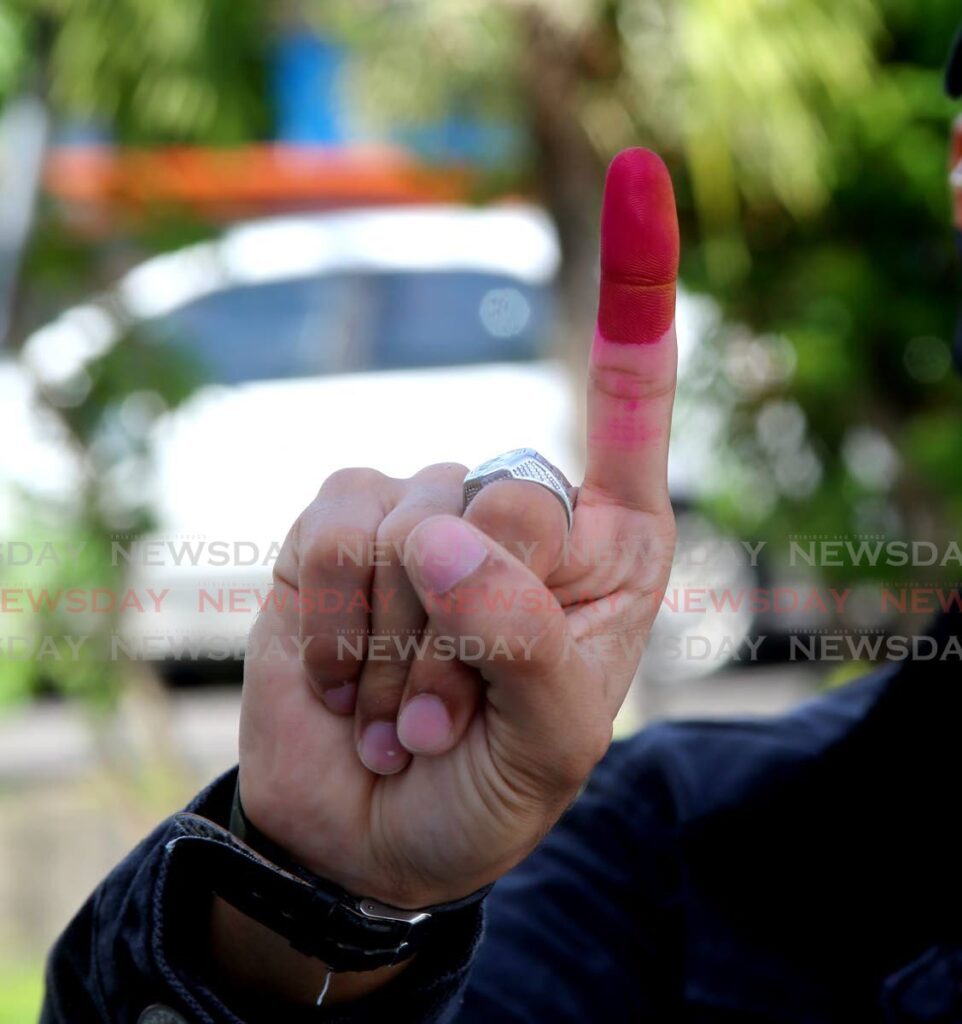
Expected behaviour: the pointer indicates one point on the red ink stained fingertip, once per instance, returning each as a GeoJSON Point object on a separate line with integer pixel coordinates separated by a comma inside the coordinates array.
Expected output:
{"type": "Point", "coordinates": [639, 250]}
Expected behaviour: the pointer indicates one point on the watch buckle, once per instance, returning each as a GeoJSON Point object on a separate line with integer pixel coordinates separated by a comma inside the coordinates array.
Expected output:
{"type": "Point", "coordinates": [382, 912]}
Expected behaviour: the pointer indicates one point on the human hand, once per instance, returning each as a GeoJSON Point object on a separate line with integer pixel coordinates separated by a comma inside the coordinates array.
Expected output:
{"type": "Point", "coordinates": [416, 780]}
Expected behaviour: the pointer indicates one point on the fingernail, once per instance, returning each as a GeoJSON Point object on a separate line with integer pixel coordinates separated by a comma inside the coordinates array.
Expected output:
{"type": "Point", "coordinates": [341, 699]}
{"type": "Point", "coordinates": [381, 750]}
{"type": "Point", "coordinates": [445, 552]}
{"type": "Point", "coordinates": [424, 725]}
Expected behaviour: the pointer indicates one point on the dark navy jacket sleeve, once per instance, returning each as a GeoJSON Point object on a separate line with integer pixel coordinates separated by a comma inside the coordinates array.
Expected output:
{"type": "Point", "coordinates": [800, 870]}
{"type": "Point", "coordinates": [586, 919]}
{"type": "Point", "coordinates": [587, 928]}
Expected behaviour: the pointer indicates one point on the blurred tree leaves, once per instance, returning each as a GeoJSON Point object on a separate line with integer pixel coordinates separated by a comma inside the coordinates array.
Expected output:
{"type": "Point", "coordinates": [146, 71]}
{"type": "Point", "coordinates": [808, 141]}
{"type": "Point", "coordinates": [107, 409]}
{"type": "Point", "coordinates": [139, 72]}
{"type": "Point", "coordinates": [12, 50]}
{"type": "Point", "coordinates": [737, 90]}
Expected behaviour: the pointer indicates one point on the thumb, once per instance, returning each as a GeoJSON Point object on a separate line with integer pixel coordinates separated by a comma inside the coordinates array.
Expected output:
{"type": "Point", "coordinates": [543, 704]}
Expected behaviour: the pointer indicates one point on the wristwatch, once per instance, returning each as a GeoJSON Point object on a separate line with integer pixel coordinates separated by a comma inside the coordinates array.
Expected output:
{"type": "Point", "coordinates": [317, 917]}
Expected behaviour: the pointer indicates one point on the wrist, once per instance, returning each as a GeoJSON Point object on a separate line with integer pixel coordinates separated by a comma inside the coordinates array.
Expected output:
{"type": "Point", "coordinates": [406, 895]}
{"type": "Point", "coordinates": [253, 959]}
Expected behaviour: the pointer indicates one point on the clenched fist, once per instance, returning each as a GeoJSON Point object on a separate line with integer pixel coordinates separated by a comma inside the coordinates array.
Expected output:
{"type": "Point", "coordinates": [417, 735]}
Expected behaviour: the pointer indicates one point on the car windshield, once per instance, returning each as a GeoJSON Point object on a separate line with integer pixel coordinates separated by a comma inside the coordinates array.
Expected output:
{"type": "Point", "coordinates": [351, 322]}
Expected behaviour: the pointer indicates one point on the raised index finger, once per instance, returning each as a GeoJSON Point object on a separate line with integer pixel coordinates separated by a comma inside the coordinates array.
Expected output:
{"type": "Point", "coordinates": [631, 378]}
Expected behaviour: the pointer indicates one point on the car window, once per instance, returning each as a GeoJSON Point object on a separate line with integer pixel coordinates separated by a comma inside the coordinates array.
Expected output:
{"type": "Point", "coordinates": [348, 322]}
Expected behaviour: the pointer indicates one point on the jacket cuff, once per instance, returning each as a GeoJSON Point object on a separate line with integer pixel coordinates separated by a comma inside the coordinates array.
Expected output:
{"type": "Point", "coordinates": [429, 991]}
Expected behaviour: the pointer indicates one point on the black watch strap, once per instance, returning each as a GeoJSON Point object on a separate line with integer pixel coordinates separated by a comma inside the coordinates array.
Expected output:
{"type": "Point", "coordinates": [317, 917]}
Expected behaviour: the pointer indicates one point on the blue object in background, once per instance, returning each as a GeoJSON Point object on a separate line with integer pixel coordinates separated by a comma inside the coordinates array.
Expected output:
{"type": "Point", "coordinates": [310, 109]}
{"type": "Point", "coordinates": [306, 80]}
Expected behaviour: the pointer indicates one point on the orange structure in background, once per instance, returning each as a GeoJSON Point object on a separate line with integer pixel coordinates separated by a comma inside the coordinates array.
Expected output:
{"type": "Point", "coordinates": [100, 187]}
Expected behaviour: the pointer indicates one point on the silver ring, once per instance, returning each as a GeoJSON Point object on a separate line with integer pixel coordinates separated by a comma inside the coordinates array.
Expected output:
{"type": "Point", "coordinates": [521, 464]}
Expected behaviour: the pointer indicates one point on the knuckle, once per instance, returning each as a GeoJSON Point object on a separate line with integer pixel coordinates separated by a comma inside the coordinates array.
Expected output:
{"type": "Point", "coordinates": [380, 697]}
{"type": "Point", "coordinates": [512, 501]}
{"type": "Point", "coordinates": [443, 471]}
{"type": "Point", "coordinates": [523, 517]}
{"type": "Point", "coordinates": [435, 489]}
{"type": "Point", "coordinates": [326, 660]}
{"type": "Point", "coordinates": [631, 383]}
{"type": "Point", "coordinates": [330, 549]}
{"type": "Point", "coordinates": [355, 479]}
{"type": "Point", "coordinates": [392, 533]}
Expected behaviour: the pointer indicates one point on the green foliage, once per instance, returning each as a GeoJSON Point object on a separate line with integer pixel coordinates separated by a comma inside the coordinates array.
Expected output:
{"type": "Point", "coordinates": [55, 647]}
{"type": "Point", "coordinates": [12, 51]}
{"type": "Point", "coordinates": [107, 412]}
{"type": "Point", "coordinates": [864, 290]}
{"type": "Point", "coordinates": [741, 89]}
{"type": "Point", "coordinates": [476, 54]}
{"type": "Point", "coordinates": [176, 71]}
{"type": "Point", "coordinates": [808, 142]}
{"type": "Point", "coordinates": [736, 90]}
{"type": "Point", "coordinates": [136, 367]}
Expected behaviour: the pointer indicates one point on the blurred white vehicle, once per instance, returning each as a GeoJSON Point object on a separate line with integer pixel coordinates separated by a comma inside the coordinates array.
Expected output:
{"type": "Point", "coordinates": [391, 338]}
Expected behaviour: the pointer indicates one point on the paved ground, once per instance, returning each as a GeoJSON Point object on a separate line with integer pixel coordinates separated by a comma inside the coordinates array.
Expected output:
{"type": "Point", "coordinates": [75, 797]}
{"type": "Point", "coordinates": [52, 741]}
{"type": "Point", "coordinates": [46, 742]}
